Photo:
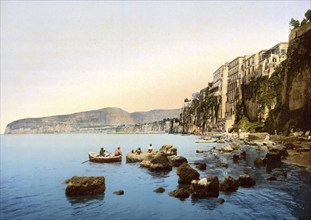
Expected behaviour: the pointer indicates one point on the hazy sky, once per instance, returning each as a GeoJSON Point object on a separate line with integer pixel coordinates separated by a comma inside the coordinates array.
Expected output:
{"type": "Point", "coordinates": [60, 57]}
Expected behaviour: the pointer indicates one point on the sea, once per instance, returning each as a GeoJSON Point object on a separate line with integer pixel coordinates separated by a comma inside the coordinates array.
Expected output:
{"type": "Point", "coordinates": [34, 168]}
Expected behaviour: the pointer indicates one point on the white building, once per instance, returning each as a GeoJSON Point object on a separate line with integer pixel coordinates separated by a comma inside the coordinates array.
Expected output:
{"type": "Point", "coordinates": [273, 57]}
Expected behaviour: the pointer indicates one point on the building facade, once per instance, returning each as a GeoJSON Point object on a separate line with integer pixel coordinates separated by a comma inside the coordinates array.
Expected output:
{"type": "Point", "coordinates": [234, 94]}
{"type": "Point", "coordinates": [273, 57]}
{"type": "Point", "coordinates": [220, 79]}
{"type": "Point", "coordinates": [252, 67]}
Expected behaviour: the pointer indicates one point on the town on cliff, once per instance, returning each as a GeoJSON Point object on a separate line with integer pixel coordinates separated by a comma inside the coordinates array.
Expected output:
{"type": "Point", "coordinates": [266, 91]}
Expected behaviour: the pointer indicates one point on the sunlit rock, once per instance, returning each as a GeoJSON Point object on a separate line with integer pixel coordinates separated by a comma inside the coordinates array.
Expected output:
{"type": "Point", "coordinates": [158, 162]}
{"type": "Point", "coordinates": [168, 150]}
{"type": "Point", "coordinates": [206, 187]}
{"type": "Point", "coordinates": [81, 185]}
{"type": "Point", "coordinates": [133, 157]}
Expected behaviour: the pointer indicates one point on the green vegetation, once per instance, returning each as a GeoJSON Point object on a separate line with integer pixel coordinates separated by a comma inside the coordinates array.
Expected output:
{"type": "Point", "coordinates": [296, 23]}
{"type": "Point", "coordinates": [245, 125]}
{"type": "Point", "coordinates": [298, 60]}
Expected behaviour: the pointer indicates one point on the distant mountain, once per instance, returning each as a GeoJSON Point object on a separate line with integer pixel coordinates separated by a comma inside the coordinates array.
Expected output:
{"type": "Point", "coordinates": [89, 121]}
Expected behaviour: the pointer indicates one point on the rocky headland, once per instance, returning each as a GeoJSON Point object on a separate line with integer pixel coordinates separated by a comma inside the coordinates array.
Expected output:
{"type": "Point", "coordinates": [106, 120]}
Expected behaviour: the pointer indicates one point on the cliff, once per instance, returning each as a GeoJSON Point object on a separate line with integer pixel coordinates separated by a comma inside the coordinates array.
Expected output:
{"type": "Point", "coordinates": [293, 108]}
{"type": "Point", "coordinates": [109, 120]}
{"type": "Point", "coordinates": [282, 102]}
{"type": "Point", "coordinates": [279, 104]}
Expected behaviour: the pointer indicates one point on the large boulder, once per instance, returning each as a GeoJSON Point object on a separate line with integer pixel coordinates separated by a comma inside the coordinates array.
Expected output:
{"type": "Point", "coordinates": [229, 184]}
{"type": "Point", "coordinates": [246, 181]}
{"type": "Point", "coordinates": [158, 162]}
{"type": "Point", "coordinates": [133, 157]}
{"type": "Point", "coordinates": [186, 174]}
{"type": "Point", "coordinates": [82, 185]}
{"type": "Point", "coordinates": [206, 187]}
{"type": "Point", "coordinates": [168, 150]}
{"type": "Point", "coordinates": [176, 161]}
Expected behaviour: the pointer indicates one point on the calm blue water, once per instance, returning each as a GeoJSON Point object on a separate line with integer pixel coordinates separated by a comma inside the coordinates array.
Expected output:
{"type": "Point", "coordinates": [34, 167]}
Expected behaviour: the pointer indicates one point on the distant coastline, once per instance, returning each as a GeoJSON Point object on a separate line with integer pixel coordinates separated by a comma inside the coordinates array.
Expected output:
{"type": "Point", "coordinates": [106, 120]}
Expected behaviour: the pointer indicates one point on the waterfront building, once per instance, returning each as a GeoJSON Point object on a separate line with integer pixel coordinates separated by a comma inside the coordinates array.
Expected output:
{"type": "Point", "coordinates": [220, 79]}
{"type": "Point", "coordinates": [253, 67]}
{"type": "Point", "coordinates": [234, 94]}
{"type": "Point", "coordinates": [273, 57]}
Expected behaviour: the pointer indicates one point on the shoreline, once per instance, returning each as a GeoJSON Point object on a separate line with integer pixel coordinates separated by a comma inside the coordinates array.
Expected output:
{"type": "Point", "coordinates": [298, 148]}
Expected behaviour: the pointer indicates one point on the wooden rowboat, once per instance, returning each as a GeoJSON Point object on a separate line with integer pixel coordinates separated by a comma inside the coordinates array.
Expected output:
{"type": "Point", "coordinates": [108, 158]}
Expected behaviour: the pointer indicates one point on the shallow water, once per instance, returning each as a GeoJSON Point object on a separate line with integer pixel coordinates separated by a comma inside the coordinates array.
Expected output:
{"type": "Point", "coordinates": [34, 167]}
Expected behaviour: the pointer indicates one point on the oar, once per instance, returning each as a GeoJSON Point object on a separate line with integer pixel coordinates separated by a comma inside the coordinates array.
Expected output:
{"type": "Point", "coordinates": [85, 161]}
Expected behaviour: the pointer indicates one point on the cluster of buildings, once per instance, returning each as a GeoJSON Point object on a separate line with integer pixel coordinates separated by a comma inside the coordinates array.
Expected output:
{"type": "Point", "coordinates": [229, 78]}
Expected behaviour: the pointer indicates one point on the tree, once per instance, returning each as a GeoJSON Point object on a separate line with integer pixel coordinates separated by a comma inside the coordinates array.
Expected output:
{"type": "Point", "coordinates": [303, 22]}
{"type": "Point", "coordinates": [308, 15]}
{"type": "Point", "coordinates": [294, 23]}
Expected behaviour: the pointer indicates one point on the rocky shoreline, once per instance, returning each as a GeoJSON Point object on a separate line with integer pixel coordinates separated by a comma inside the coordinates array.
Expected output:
{"type": "Point", "coordinates": [275, 150]}
{"type": "Point", "coordinates": [298, 148]}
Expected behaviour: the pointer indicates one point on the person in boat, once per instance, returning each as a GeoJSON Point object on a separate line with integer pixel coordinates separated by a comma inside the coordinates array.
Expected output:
{"type": "Point", "coordinates": [102, 151]}
{"type": "Point", "coordinates": [150, 148]}
{"type": "Point", "coordinates": [117, 152]}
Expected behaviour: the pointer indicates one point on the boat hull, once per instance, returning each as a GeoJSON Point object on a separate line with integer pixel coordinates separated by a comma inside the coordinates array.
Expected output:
{"type": "Point", "coordinates": [95, 157]}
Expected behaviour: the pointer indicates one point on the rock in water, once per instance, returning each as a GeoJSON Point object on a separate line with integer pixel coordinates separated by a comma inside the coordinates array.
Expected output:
{"type": "Point", "coordinates": [260, 161]}
{"type": "Point", "coordinates": [229, 184]}
{"type": "Point", "coordinates": [180, 193]}
{"type": "Point", "coordinates": [201, 166]}
{"type": "Point", "coordinates": [176, 161]}
{"type": "Point", "coordinates": [246, 181]}
{"type": "Point", "coordinates": [168, 150]}
{"type": "Point", "coordinates": [159, 190]}
{"type": "Point", "coordinates": [186, 174]}
{"type": "Point", "coordinates": [82, 185]}
{"type": "Point", "coordinates": [133, 157]}
{"type": "Point", "coordinates": [206, 187]}
{"type": "Point", "coordinates": [158, 163]}
{"type": "Point", "coordinates": [221, 200]}
{"type": "Point", "coordinates": [119, 192]}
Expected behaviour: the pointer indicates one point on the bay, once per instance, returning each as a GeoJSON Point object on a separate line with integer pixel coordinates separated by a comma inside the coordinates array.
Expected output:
{"type": "Point", "coordinates": [34, 168]}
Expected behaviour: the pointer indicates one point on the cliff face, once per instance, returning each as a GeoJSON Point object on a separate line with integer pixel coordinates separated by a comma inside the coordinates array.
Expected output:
{"type": "Point", "coordinates": [293, 108]}
{"type": "Point", "coordinates": [108, 120]}
{"type": "Point", "coordinates": [202, 114]}
{"type": "Point", "coordinates": [283, 101]}
{"type": "Point", "coordinates": [279, 103]}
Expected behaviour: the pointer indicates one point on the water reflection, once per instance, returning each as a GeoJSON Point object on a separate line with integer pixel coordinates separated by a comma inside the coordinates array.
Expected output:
{"type": "Point", "coordinates": [159, 174]}
{"type": "Point", "coordinates": [206, 203]}
{"type": "Point", "coordinates": [84, 200]}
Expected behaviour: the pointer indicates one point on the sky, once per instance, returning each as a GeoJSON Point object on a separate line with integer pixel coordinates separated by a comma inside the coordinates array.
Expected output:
{"type": "Point", "coordinates": [62, 57]}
